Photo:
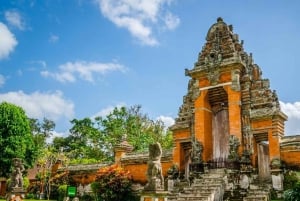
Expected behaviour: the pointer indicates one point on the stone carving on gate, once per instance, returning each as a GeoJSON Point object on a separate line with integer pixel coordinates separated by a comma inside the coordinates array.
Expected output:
{"type": "Point", "coordinates": [234, 144]}
{"type": "Point", "coordinates": [196, 154]}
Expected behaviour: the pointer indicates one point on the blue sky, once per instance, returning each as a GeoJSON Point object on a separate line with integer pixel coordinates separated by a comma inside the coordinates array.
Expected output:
{"type": "Point", "coordinates": [65, 59]}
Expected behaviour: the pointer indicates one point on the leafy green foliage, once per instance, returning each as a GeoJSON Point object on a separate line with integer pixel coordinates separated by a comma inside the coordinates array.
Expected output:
{"type": "Point", "coordinates": [25, 182]}
{"type": "Point", "coordinates": [41, 131]}
{"type": "Point", "coordinates": [290, 179]}
{"type": "Point", "coordinates": [62, 190]}
{"type": "Point", "coordinates": [46, 162]}
{"type": "Point", "coordinates": [292, 194]}
{"type": "Point", "coordinates": [96, 138]}
{"type": "Point", "coordinates": [16, 139]}
{"type": "Point", "coordinates": [113, 184]}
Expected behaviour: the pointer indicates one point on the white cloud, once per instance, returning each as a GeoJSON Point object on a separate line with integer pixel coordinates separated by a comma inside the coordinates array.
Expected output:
{"type": "Point", "coordinates": [53, 38]}
{"type": "Point", "coordinates": [41, 63]}
{"type": "Point", "coordinates": [39, 105]}
{"type": "Point", "coordinates": [171, 21]}
{"type": "Point", "coordinates": [2, 80]}
{"type": "Point", "coordinates": [7, 41]}
{"type": "Point", "coordinates": [292, 110]}
{"type": "Point", "coordinates": [69, 72]}
{"type": "Point", "coordinates": [106, 111]}
{"type": "Point", "coordinates": [139, 17]}
{"type": "Point", "coordinates": [168, 121]}
{"type": "Point", "coordinates": [57, 134]}
{"type": "Point", "coordinates": [14, 18]}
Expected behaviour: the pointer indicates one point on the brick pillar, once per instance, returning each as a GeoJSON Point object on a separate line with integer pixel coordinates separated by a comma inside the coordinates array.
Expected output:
{"type": "Point", "coordinates": [275, 134]}
{"type": "Point", "coordinates": [274, 145]}
{"type": "Point", "coordinates": [203, 124]}
{"type": "Point", "coordinates": [121, 149]}
{"type": "Point", "coordinates": [176, 150]}
{"type": "Point", "coordinates": [234, 112]}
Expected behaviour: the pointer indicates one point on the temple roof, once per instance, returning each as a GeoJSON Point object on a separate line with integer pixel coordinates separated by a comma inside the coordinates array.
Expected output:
{"type": "Point", "coordinates": [221, 45]}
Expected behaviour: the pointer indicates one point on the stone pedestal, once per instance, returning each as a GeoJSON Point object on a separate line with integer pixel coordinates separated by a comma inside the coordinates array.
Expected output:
{"type": "Point", "coordinates": [244, 181]}
{"type": "Point", "coordinates": [171, 184]}
{"type": "Point", "coordinates": [277, 179]}
{"type": "Point", "coordinates": [154, 196]}
{"type": "Point", "coordinates": [17, 194]}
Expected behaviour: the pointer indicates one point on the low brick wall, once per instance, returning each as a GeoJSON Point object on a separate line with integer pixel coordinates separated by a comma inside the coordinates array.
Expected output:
{"type": "Point", "coordinates": [136, 164]}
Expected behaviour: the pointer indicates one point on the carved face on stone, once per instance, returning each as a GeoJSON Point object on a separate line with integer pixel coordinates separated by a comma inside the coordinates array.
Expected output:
{"type": "Point", "coordinates": [16, 162]}
{"type": "Point", "coordinates": [155, 151]}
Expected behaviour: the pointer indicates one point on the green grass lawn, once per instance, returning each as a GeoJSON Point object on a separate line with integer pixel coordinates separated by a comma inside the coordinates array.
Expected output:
{"type": "Point", "coordinates": [30, 200]}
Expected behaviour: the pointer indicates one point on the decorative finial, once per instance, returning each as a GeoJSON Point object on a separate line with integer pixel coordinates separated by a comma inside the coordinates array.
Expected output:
{"type": "Point", "coordinates": [219, 19]}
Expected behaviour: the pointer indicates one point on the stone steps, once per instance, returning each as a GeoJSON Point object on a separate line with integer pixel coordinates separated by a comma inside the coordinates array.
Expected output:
{"type": "Point", "coordinates": [259, 194]}
{"type": "Point", "coordinates": [256, 198]}
{"type": "Point", "coordinates": [209, 187]}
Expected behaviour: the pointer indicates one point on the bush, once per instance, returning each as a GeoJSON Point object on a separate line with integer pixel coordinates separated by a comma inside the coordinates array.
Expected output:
{"type": "Point", "coordinates": [62, 190]}
{"type": "Point", "coordinates": [87, 197]}
{"type": "Point", "coordinates": [29, 196]}
{"type": "Point", "coordinates": [290, 179]}
{"type": "Point", "coordinates": [25, 182]}
{"type": "Point", "coordinates": [292, 194]}
{"type": "Point", "coordinates": [113, 184]}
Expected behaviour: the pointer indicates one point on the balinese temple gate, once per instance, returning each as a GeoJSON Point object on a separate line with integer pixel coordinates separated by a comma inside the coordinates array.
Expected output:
{"type": "Point", "coordinates": [228, 137]}
{"type": "Point", "coordinates": [229, 109]}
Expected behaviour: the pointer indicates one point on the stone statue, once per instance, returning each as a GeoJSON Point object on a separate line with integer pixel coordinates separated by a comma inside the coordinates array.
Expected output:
{"type": "Point", "coordinates": [234, 144]}
{"type": "Point", "coordinates": [173, 172]}
{"type": "Point", "coordinates": [16, 176]}
{"type": "Point", "coordinates": [154, 172]}
{"type": "Point", "coordinates": [196, 154]}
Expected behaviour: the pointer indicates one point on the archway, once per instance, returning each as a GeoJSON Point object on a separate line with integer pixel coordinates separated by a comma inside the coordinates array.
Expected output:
{"type": "Point", "coordinates": [218, 100]}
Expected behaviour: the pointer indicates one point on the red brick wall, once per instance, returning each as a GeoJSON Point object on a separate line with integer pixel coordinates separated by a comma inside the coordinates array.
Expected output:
{"type": "Point", "coordinates": [291, 158]}
{"type": "Point", "coordinates": [139, 171]}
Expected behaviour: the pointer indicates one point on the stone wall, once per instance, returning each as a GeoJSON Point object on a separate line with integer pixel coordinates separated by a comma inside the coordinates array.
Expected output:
{"type": "Point", "coordinates": [137, 164]}
{"type": "Point", "coordinates": [290, 151]}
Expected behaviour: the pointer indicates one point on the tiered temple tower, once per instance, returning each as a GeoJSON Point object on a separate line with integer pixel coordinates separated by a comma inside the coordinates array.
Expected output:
{"type": "Point", "coordinates": [227, 99]}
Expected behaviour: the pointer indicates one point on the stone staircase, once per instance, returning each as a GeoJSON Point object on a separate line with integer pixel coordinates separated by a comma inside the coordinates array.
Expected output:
{"type": "Point", "coordinates": [212, 187]}
{"type": "Point", "coordinates": [235, 195]}
{"type": "Point", "coordinates": [209, 187]}
{"type": "Point", "coordinates": [258, 192]}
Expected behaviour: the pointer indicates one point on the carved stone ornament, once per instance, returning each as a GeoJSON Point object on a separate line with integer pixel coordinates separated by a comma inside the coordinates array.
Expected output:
{"type": "Point", "coordinates": [275, 163]}
{"type": "Point", "coordinates": [173, 172]}
{"type": "Point", "coordinates": [195, 90]}
{"type": "Point", "coordinates": [213, 76]}
{"type": "Point", "coordinates": [235, 78]}
{"type": "Point", "coordinates": [16, 176]}
{"type": "Point", "coordinates": [196, 154]}
{"type": "Point", "coordinates": [234, 144]}
{"type": "Point", "coordinates": [154, 173]}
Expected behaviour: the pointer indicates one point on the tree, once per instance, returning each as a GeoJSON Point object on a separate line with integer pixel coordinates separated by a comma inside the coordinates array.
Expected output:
{"type": "Point", "coordinates": [16, 139]}
{"type": "Point", "coordinates": [139, 128]}
{"type": "Point", "coordinates": [45, 164]}
{"type": "Point", "coordinates": [96, 138]}
{"type": "Point", "coordinates": [41, 132]}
